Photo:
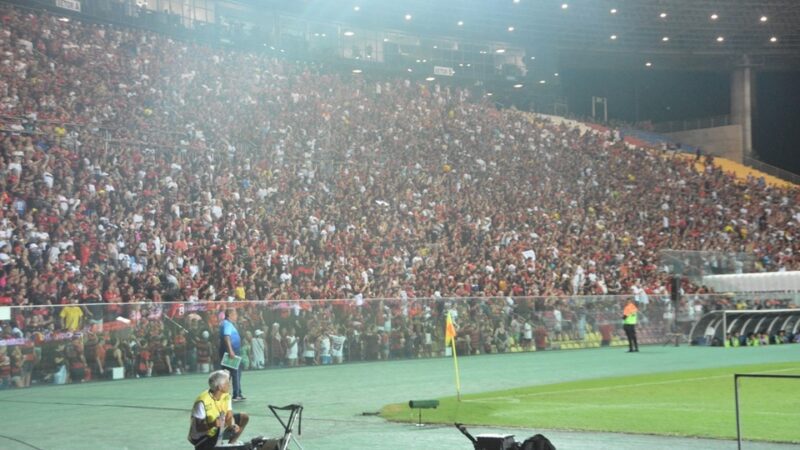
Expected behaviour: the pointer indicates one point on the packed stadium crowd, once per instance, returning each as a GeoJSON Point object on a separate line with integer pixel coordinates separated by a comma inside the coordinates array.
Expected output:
{"type": "Point", "coordinates": [145, 179]}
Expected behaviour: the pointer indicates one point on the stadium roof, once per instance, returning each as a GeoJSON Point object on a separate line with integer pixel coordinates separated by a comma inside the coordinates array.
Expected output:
{"type": "Point", "coordinates": [699, 34]}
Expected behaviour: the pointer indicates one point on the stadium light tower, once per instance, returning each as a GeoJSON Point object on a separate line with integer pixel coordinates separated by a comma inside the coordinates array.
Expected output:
{"type": "Point", "coordinates": [742, 100]}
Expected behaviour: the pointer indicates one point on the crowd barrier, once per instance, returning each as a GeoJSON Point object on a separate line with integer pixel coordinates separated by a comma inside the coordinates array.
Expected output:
{"type": "Point", "coordinates": [58, 344]}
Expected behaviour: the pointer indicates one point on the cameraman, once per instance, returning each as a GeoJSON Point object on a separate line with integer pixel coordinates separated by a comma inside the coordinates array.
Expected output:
{"type": "Point", "coordinates": [213, 412]}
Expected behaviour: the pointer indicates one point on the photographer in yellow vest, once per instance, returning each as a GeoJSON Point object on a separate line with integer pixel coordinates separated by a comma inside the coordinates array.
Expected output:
{"type": "Point", "coordinates": [213, 413]}
{"type": "Point", "coordinates": [629, 324]}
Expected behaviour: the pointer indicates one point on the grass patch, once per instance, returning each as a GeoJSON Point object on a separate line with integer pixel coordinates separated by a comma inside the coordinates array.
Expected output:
{"type": "Point", "coordinates": [697, 403]}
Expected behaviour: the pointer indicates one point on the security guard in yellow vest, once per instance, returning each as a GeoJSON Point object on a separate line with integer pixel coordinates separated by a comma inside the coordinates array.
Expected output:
{"type": "Point", "coordinates": [213, 412]}
{"type": "Point", "coordinates": [629, 325]}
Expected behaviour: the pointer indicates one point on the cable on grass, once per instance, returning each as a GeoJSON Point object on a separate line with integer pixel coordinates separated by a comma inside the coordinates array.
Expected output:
{"type": "Point", "coordinates": [20, 441]}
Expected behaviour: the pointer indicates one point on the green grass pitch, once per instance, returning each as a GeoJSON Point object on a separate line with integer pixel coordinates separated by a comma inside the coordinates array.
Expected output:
{"type": "Point", "coordinates": [692, 403]}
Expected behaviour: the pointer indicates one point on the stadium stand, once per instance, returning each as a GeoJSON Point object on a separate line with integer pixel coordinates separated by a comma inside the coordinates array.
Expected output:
{"type": "Point", "coordinates": [147, 182]}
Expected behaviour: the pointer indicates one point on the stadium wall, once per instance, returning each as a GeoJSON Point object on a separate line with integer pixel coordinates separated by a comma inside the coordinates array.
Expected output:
{"type": "Point", "coordinates": [725, 142]}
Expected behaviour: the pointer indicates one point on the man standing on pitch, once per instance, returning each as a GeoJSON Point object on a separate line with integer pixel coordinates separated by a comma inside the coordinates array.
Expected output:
{"type": "Point", "coordinates": [231, 343]}
{"type": "Point", "coordinates": [629, 325]}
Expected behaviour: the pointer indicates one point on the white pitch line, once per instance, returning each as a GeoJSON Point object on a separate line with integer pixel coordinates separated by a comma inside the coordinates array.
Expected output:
{"type": "Point", "coordinates": [516, 398]}
{"type": "Point", "coordinates": [672, 407]}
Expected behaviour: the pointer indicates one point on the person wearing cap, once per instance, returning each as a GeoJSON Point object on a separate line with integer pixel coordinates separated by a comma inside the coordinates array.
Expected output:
{"type": "Point", "coordinates": [203, 351]}
{"type": "Point", "coordinates": [212, 414]}
{"type": "Point", "coordinates": [629, 325]}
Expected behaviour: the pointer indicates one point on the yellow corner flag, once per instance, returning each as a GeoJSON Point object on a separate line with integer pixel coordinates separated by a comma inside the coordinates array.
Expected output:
{"type": "Point", "coordinates": [449, 331]}
{"type": "Point", "coordinates": [450, 339]}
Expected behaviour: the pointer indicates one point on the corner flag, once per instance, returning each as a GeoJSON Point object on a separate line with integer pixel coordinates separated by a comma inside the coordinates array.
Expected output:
{"type": "Point", "coordinates": [450, 339]}
{"type": "Point", "coordinates": [449, 331]}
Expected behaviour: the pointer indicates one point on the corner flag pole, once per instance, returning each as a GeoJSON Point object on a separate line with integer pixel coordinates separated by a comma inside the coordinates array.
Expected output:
{"type": "Point", "coordinates": [455, 363]}
{"type": "Point", "coordinates": [450, 336]}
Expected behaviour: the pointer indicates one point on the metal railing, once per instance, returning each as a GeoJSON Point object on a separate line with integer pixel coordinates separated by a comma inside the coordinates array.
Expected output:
{"type": "Point", "coordinates": [772, 170]}
{"type": "Point", "coordinates": [76, 342]}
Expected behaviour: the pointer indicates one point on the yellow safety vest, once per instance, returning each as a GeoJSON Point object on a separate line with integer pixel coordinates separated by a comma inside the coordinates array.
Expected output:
{"type": "Point", "coordinates": [630, 312]}
{"type": "Point", "coordinates": [213, 409]}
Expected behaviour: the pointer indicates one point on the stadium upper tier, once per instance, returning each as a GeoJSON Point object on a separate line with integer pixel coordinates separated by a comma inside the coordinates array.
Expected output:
{"type": "Point", "coordinates": [705, 34]}
{"type": "Point", "coordinates": [136, 167]}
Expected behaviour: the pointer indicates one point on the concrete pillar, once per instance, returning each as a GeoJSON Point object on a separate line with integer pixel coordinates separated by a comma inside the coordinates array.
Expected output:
{"type": "Point", "coordinates": [743, 102]}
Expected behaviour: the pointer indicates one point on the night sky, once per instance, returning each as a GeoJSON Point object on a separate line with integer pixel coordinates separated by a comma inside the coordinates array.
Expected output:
{"type": "Point", "coordinates": [777, 122]}
{"type": "Point", "coordinates": [660, 95]}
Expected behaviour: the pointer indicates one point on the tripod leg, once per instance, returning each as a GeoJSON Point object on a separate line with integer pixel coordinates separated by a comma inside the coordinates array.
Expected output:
{"type": "Point", "coordinates": [296, 443]}
{"type": "Point", "coordinates": [288, 430]}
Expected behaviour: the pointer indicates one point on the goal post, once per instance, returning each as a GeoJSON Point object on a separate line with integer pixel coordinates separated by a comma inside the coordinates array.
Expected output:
{"type": "Point", "coordinates": [736, 378]}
